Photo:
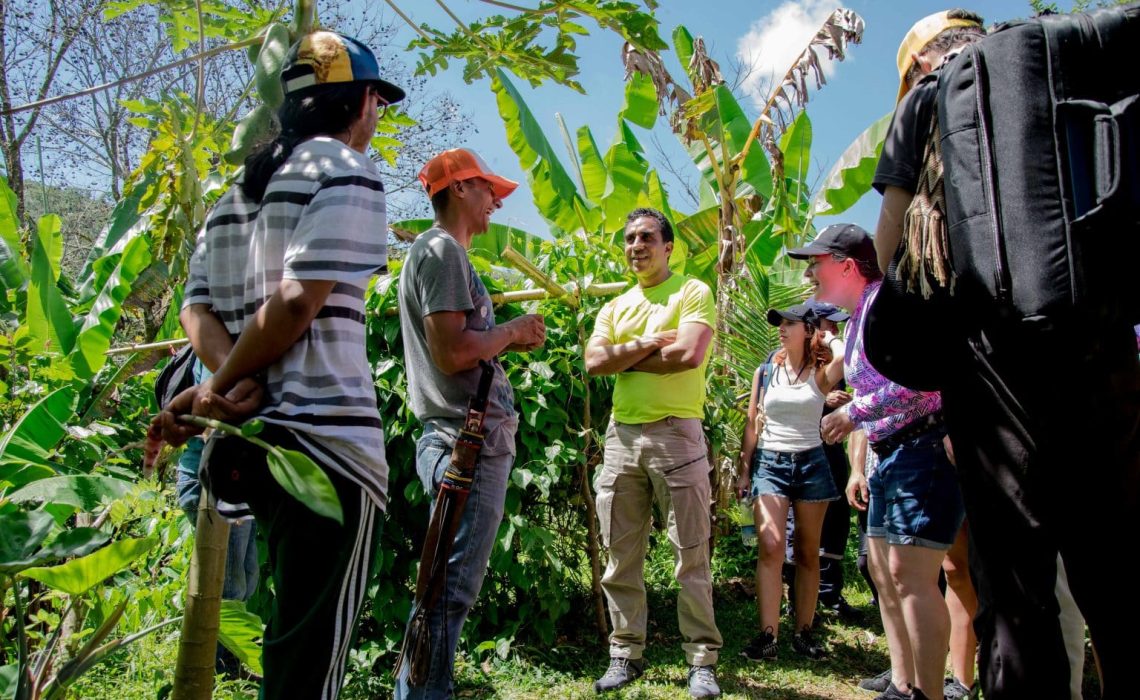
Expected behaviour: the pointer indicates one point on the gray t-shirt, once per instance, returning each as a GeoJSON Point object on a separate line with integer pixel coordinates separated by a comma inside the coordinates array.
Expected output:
{"type": "Point", "coordinates": [437, 276]}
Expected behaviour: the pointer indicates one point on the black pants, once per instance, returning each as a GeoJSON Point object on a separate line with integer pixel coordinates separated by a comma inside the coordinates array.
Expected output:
{"type": "Point", "coordinates": [320, 568]}
{"type": "Point", "coordinates": [1046, 432]}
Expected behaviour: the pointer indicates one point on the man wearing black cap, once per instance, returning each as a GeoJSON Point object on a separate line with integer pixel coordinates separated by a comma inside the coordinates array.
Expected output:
{"type": "Point", "coordinates": [282, 266]}
{"type": "Point", "coordinates": [910, 532]}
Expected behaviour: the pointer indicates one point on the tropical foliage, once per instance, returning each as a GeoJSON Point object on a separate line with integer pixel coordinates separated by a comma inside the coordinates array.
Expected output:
{"type": "Point", "coordinates": [93, 556]}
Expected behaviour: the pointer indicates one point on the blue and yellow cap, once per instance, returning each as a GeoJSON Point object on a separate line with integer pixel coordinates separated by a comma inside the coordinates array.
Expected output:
{"type": "Point", "coordinates": [324, 57]}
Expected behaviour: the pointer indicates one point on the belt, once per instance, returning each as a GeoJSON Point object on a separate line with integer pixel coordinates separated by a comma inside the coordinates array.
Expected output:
{"type": "Point", "coordinates": [922, 426]}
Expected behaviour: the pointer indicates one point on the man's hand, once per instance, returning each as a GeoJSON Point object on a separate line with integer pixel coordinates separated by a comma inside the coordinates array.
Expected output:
{"type": "Point", "coordinates": [835, 426]}
{"type": "Point", "coordinates": [837, 398]}
{"type": "Point", "coordinates": [166, 423]}
{"type": "Point", "coordinates": [858, 495]}
{"type": "Point", "coordinates": [528, 331]}
{"type": "Point", "coordinates": [744, 481]}
{"type": "Point", "coordinates": [238, 403]}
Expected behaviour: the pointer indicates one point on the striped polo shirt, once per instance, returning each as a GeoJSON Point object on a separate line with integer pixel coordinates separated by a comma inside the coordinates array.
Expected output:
{"type": "Point", "coordinates": [322, 218]}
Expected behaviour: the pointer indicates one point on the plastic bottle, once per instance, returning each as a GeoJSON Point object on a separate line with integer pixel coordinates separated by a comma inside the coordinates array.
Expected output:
{"type": "Point", "coordinates": [747, 523]}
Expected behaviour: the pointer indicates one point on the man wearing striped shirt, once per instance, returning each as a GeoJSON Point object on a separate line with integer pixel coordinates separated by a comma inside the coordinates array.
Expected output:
{"type": "Point", "coordinates": [275, 304]}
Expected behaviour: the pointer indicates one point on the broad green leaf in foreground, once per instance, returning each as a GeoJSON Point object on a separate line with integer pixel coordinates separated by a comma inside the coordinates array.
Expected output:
{"type": "Point", "coordinates": [305, 481]}
{"type": "Point", "coordinates": [83, 491]}
{"type": "Point", "coordinates": [78, 576]}
{"type": "Point", "coordinates": [241, 631]}
{"type": "Point", "coordinates": [850, 177]}
{"type": "Point", "coordinates": [39, 430]}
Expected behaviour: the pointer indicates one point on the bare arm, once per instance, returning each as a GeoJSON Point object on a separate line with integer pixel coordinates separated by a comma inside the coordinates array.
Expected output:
{"type": "Point", "coordinates": [888, 232]}
{"type": "Point", "coordinates": [602, 358]}
{"type": "Point", "coordinates": [831, 374]}
{"type": "Point", "coordinates": [207, 334]}
{"type": "Point", "coordinates": [454, 347]}
{"type": "Point", "coordinates": [685, 353]}
{"type": "Point", "coordinates": [748, 442]}
{"type": "Point", "coordinates": [858, 494]}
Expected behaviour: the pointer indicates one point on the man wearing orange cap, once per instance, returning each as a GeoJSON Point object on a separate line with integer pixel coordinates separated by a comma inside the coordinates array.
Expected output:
{"type": "Point", "coordinates": [448, 326]}
{"type": "Point", "coordinates": [915, 618]}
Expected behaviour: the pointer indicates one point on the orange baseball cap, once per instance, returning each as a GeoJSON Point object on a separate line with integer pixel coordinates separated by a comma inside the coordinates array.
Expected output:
{"type": "Point", "coordinates": [921, 34]}
{"type": "Point", "coordinates": [461, 164]}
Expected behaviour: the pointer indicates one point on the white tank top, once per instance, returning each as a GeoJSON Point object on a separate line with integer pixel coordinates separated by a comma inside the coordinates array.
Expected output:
{"type": "Point", "coordinates": [793, 412]}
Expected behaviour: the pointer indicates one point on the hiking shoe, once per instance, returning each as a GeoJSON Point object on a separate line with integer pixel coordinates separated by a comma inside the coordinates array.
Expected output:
{"type": "Point", "coordinates": [702, 682]}
{"type": "Point", "coordinates": [877, 684]}
{"type": "Point", "coordinates": [761, 647]}
{"type": "Point", "coordinates": [804, 642]}
{"type": "Point", "coordinates": [955, 690]}
{"type": "Point", "coordinates": [621, 673]}
{"type": "Point", "coordinates": [893, 693]}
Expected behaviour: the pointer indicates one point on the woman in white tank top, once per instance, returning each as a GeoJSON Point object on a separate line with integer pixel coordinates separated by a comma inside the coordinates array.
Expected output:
{"type": "Point", "coordinates": [782, 465]}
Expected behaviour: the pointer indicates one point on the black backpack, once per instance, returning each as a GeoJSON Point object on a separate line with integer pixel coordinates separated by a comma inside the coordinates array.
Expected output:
{"type": "Point", "coordinates": [177, 376]}
{"type": "Point", "coordinates": [1040, 147]}
{"type": "Point", "coordinates": [1041, 154]}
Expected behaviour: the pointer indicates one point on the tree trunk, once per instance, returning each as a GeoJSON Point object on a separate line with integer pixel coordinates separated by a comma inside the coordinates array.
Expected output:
{"type": "Point", "coordinates": [194, 671]}
{"type": "Point", "coordinates": [592, 547]}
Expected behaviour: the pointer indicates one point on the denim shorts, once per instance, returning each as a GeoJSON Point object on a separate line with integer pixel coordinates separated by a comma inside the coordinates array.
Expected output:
{"type": "Point", "coordinates": [797, 476]}
{"type": "Point", "coordinates": [915, 499]}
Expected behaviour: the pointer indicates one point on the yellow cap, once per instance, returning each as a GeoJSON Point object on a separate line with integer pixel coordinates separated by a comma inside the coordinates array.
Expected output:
{"type": "Point", "coordinates": [921, 34]}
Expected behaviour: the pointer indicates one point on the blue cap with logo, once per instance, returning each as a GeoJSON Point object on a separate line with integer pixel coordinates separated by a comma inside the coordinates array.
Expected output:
{"type": "Point", "coordinates": [324, 57]}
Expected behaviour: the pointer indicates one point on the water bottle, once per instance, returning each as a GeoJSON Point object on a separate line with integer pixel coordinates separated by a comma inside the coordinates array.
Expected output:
{"type": "Point", "coordinates": [747, 523]}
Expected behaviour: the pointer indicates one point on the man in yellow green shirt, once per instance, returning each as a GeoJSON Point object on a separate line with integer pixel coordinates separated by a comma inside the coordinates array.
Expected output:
{"type": "Point", "coordinates": [655, 338]}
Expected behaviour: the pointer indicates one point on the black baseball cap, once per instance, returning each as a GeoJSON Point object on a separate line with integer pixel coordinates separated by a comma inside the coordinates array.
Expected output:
{"type": "Point", "coordinates": [848, 240]}
{"type": "Point", "coordinates": [828, 311]}
{"type": "Point", "coordinates": [798, 312]}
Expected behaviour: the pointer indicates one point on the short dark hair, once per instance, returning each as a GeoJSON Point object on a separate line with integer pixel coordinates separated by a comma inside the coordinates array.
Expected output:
{"type": "Point", "coordinates": [950, 38]}
{"type": "Point", "coordinates": [441, 199]}
{"type": "Point", "coordinates": [867, 269]}
{"type": "Point", "coordinates": [646, 212]}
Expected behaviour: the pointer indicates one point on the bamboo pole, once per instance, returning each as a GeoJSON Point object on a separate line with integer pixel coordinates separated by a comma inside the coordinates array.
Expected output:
{"type": "Point", "coordinates": [194, 670]}
{"type": "Point", "coordinates": [606, 289]}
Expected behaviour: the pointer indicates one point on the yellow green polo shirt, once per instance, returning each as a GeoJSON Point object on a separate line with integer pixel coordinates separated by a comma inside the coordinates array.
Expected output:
{"type": "Point", "coordinates": [644, 397]}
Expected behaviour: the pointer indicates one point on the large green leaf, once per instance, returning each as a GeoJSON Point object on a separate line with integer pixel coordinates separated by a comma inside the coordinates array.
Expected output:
{"type": "Point", "coordinates": [640, 105]}
{"type": "Point", "coordinates": [683, 45]}
{"type": "Point", "coordinates": [241, 631]}
{"type": "Point", "coordinates": [13, 269]}
{"type": "Point", "coordinates": [49, 319]}
{"type": "Point", "coordinates": [489, 245]}
{"type": "Point", "coordinates": [23, 531]}
{"type": "Point", "coordinates": [39, 430]}
{"type": "Point", "coordinates": [553, 189]}
{"type": "Point", "coordinates": [78, 576]}
{"type": "Point", "coordinates": [627, 167]}
{"type": "Point", "coordinates": [267, 70]}
{"type": "Point", "coordinates": [124, 223]}
{"type": "Point", "coordinates": [74, 542]}
{"type": "Point", "coordinates": [795, 145]}
{"type": "Point", "coordinates": [754, 170]}
{"type": "Point", "coordinates": [850, 177]}
{"type": "Point", "coordinates": [595, 179]}
{"type": "Point", "coordinates": [305, 481]}
{"type": "Point", "coordinates": [95, 334]}
{"type": "Point", "coordinates": [83, 491]}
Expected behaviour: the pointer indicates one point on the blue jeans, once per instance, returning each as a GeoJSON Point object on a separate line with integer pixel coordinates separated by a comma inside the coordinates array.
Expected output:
{"type": "Point", "coordinates": [241, 555]}
{"type": "Point", "coordinates": [915, 498]}
{"type": "Point", "coordinates": [468, 563]}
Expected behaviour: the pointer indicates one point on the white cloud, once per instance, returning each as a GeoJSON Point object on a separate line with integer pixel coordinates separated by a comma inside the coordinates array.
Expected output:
{"type": "Point", "coordinates": [776, 39]}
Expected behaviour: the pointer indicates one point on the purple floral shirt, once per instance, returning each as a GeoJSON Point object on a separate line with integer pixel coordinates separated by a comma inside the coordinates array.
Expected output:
{"type": "Point", "coordinates": [880, 406]}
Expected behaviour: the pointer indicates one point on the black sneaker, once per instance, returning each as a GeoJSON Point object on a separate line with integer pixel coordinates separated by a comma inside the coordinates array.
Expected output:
{"type": "Point", "coordinates": [877, 684]}
{"type": "Point", "coordinates": [621, 673]}
{"type": "Point", "coordinates": [702, 682]}
{"type": "Point", "coordinates": [953, 689]}
{"type": "Point", "coordinates": [893, 693]}
{"type": "Point", "coordinates": [804, 642]}
{"type": "Point", "coordinates": [761, 647]}
{"type": "Point", "coordinates": [843, 610]}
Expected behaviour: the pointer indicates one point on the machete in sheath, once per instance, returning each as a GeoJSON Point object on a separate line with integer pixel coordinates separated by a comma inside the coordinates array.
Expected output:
{"type": "Point", "coordinates": [431, 582]}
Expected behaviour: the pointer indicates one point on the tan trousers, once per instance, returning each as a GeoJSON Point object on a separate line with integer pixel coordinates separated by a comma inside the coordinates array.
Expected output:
{"type": "Point", "coordinates": [667, 461]}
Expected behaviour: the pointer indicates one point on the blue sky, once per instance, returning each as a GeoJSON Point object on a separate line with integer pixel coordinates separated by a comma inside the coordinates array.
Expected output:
{"type": "Point", "coordinates": [761, 34]}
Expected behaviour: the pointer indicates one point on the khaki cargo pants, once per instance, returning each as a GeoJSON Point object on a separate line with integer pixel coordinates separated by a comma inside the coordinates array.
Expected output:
{"type": "Point", "coordinates": [667, 461]}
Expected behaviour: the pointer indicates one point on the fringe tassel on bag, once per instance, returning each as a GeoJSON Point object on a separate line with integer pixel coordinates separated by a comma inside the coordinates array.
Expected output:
{"type": "Point", "coordinates": [924, 262]}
